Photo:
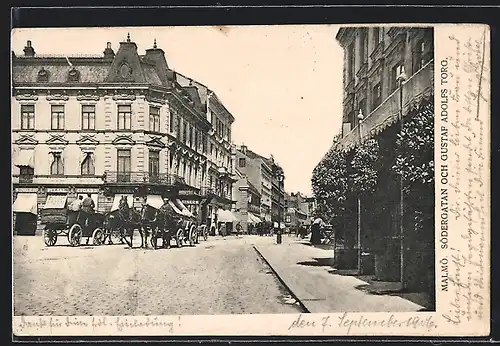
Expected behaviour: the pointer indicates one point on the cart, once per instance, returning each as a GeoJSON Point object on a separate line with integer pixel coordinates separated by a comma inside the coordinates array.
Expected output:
{"type": "Point", "coordinates": [73, 225]}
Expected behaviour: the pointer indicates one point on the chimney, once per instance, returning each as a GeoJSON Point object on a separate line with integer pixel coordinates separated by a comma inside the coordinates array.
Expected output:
{"type": "Point", "coordinates": [243, 149]}
{"type": "Point", "coordinates": [28, 50]}
{"type": "Point", "coordinates": [109, 54]}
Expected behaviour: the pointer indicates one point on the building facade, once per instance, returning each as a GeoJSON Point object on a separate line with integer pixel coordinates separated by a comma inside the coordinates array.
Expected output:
{"type": "Point", "coordinates": [248, 202]}
{"type": "Point", "coordinates": [297, 210]}
{"type": "Point", "coordinates": [119, 123]}
{"type": "Point", "coordinates": [388, 77]}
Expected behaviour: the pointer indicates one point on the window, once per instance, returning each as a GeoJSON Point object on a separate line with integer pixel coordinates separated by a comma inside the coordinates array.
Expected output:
{"type": "Point", "coordinates": [196, 139]}
{"type": "Point", "coordinates": [172, 122]}
{"type": "Point", "coordinates": [229, 134]}
{"type": "Point", "coordinates": [350, 62]}
{"type": "Point", "coordinates": [376, 37]}
{"type": "Point", "coordinates": [184, 132]}
{"type": "Point", "coordinates": [396, 70]}
{"type": "Point", "coordinates": [154, 164]}
{"type": "Point", "coordinates": [376, 95]}
{"type": "Point", "coordinates": [287, 219]}
{"type": "Point", "coordinates": [26, 174]}
{"type": "Point", "coordinates": [27, 117]}
{"type": "Point", "coordinates": [88, 117]}
{"type": "Point", "coordinates": [124, 165]}
{"type": "Point", "coordinates": [124, 117]}
{"type": "Point", "coordinates": [154, 119]}
{"type": "Point", "coordinates": [363, 51]}
{"type": "Point", "coordinates": [57, 117]}
{"type": "Point", "coordinates": [88, 165]}
{"type": "Point", "coordinates": [191, 141]}
{"type": "Point", "coordinates": [242, 162]}
{"type": "Point", "coordinates": [57, 168]}
{"type": "Point", "coordinates": [362, 107]}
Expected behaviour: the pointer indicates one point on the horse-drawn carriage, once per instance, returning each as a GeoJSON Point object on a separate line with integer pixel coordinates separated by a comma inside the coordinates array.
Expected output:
{"type": "Point", "coordinates": [167, 220]}
{"type": "Point", "coordinates": [58, 220]}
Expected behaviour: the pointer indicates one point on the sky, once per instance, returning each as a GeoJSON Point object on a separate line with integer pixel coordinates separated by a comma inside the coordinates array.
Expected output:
{"type": "Point", "coordinates": [283, 84]}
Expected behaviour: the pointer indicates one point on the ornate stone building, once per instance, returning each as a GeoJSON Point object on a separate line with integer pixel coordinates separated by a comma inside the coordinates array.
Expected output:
{"type": "Point", "coordinates": [118, 123]}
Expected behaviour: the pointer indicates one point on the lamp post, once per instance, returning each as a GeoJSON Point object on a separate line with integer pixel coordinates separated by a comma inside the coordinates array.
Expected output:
{"type": "Point", "coordinates": [279, 177]}
{"type": "Point", "coordinates": [360, 121]}
{"type": "Point", "coordinates": [401, 79]}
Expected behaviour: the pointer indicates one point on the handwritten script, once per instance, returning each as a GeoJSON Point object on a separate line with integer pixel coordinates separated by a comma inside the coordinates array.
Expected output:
{"type": "Point", "coordinates": [95, 324]}
{"type": "Point", "coordinates": [463, 125]}
{"type": "Point", "coordinates": [349, 323]}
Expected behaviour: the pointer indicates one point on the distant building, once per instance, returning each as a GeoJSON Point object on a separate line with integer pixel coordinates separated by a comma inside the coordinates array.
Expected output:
{"type": "Point", "coordinates": [297, 210]}
{"type": "Point", "coordinates": [248, 202]}
{"type": "Point", "coordinates": [261, 172]}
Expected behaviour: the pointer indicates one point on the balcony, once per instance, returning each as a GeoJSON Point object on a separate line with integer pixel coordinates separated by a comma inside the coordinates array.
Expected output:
{"type": "Point", "coordinates": [206, 191]}
{"type": "Point", "coordinates": [42, 179]}
{"type": "Point", "coordinates": [417, 86]}
{"type": "Point", "coordinates": [114, 177]}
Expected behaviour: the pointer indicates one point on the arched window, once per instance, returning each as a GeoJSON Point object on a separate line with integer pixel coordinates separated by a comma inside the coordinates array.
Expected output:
{"type": "Point", "coordinates": [88, 165]}
{"type": "Point", "coordinates": [57, 167]}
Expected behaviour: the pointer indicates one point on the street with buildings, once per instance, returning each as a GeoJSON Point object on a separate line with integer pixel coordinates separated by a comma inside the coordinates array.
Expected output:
{"type": "Point", "coordinates": [126, 127]}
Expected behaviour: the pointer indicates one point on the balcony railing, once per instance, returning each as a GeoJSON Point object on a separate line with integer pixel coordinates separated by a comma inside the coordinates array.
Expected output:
{"type": "Point", "coordinates": [206, 191]}
{"type": "Point", "coordinates": [114, 177]}
{"type": "Point", "coordinates": [419, 85]}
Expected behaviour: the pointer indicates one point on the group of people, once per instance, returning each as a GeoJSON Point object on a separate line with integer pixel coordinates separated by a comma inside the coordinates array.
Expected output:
{"type": "Point", "coordinates": [87, 205]}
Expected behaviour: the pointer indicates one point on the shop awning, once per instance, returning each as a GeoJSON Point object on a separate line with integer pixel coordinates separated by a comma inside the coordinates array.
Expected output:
{"type": "Point", "coordinates": [24, 159]}
{"type": "Point", "coordinates": [282, 225]}
{"type": "Point", "coordinates": [155, 201]}
{"type": "Point", "coordinates": [55, 202]}
{"type": "Point", "coordinates": [225, 216]}
{"type": "Point", "coordinates": [252, 218]}
{"type": "Point", "coordinates": [184, 209]}
{"type": "Point", "coordinates": [116, 201]}
{"type": "Point", "coordinates": [25, 203]}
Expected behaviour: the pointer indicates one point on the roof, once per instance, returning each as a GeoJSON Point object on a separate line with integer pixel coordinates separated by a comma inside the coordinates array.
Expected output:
{"type": "Point", "coordinates": [124, 67]}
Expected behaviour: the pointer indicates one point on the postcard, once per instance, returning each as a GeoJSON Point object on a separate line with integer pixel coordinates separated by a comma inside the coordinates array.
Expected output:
{"type": "Point", "coordinates": [285, 180]}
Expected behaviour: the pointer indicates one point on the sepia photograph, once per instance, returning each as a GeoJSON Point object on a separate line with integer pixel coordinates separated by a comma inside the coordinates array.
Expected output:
{"type": "Point", "coordinates": [246, 170]}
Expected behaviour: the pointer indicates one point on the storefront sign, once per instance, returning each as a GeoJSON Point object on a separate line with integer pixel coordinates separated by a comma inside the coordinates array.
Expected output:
{"type": "Point", "coordinates": [27, 190]}
{"type": "Point", "coordinates": [57, 190]}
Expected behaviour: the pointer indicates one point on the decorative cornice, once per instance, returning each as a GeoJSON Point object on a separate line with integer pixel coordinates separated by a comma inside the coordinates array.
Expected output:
{"type": "Point", "coordinates": [57, 97]}
{"type": "Point", "coordinates": [26, 140]}
{"type": "Point", "coordinates": [57, 140]}
{"type": "Point", "coordinates": [155, 100]}
{"type": "Point", "coordinates": [88, 97]}
{"type": "Point", "coordinates": [26, 97]}
{"type": "Point", "coordinates": [87, 140]}
{"type": "Point", "coordinates": [124, 97]}
{"type": "Point", "coordinates": [123, 140]}
{"type": "Point", "coordinates": [156, 143]}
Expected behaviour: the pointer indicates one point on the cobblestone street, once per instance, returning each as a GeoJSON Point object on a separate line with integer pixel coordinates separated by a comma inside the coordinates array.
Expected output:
{"type": "Point", "coordinates": [219, 276]}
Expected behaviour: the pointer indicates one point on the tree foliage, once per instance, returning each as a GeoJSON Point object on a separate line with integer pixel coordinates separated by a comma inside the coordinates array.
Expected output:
{"type": "Point", "coordinates": [415, 147]}
{"type": "Point", "coordinates": [365, 165]}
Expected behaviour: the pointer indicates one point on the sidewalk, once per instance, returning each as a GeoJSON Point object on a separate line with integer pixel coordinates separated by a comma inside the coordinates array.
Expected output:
{"type": "Point", "coordinates": [308, 273]}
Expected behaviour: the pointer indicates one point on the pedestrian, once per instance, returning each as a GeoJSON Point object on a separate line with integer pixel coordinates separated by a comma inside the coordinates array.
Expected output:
{"type": "Point", "coordinates": [316, 231]}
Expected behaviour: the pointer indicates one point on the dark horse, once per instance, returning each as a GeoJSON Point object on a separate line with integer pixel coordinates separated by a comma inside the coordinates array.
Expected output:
{"type": "Point", "coordinates": [160, 223]}
{"type": "Point", "coordinates": [122, 221]}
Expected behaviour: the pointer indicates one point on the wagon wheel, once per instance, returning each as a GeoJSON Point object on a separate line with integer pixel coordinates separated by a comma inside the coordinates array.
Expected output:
{"type": "Point", "coordinates": [196, 235]}
{"type": "Point", "coordinates": [191, 235]}
{"type": "Point", "coordinates": [116, 236]}
{"type": "Point", "coordinates": [49, 236]}
{"type": "Point", "coordinates": [75, 235]}
{"type": "Point", "coordinates": [179, 237]}
{"type": "Point", "coordinates": [98, 237]}
{"type": "Point", "coordinates": [205, 233]}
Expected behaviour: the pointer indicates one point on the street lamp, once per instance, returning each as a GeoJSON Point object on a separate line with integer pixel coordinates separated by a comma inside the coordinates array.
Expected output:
{"type": "Point", "coordinates": [401, 79]}
{"type": "Point", "coordinates": [360, 121]}
{"type": "Point", "coordinates": [279, 177]}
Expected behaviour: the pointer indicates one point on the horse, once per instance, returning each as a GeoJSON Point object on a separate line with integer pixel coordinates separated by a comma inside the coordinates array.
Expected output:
{"type": "Point", "coordinates": [123, 220]}
{"type": "Point", "coordinates": [161, 222]}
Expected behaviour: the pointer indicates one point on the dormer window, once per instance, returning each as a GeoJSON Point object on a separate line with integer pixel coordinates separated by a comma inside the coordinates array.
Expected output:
{"type": "Point", "coordinates": [74, 75]}
{"type": "Point", "coordinates": [43, 75]}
